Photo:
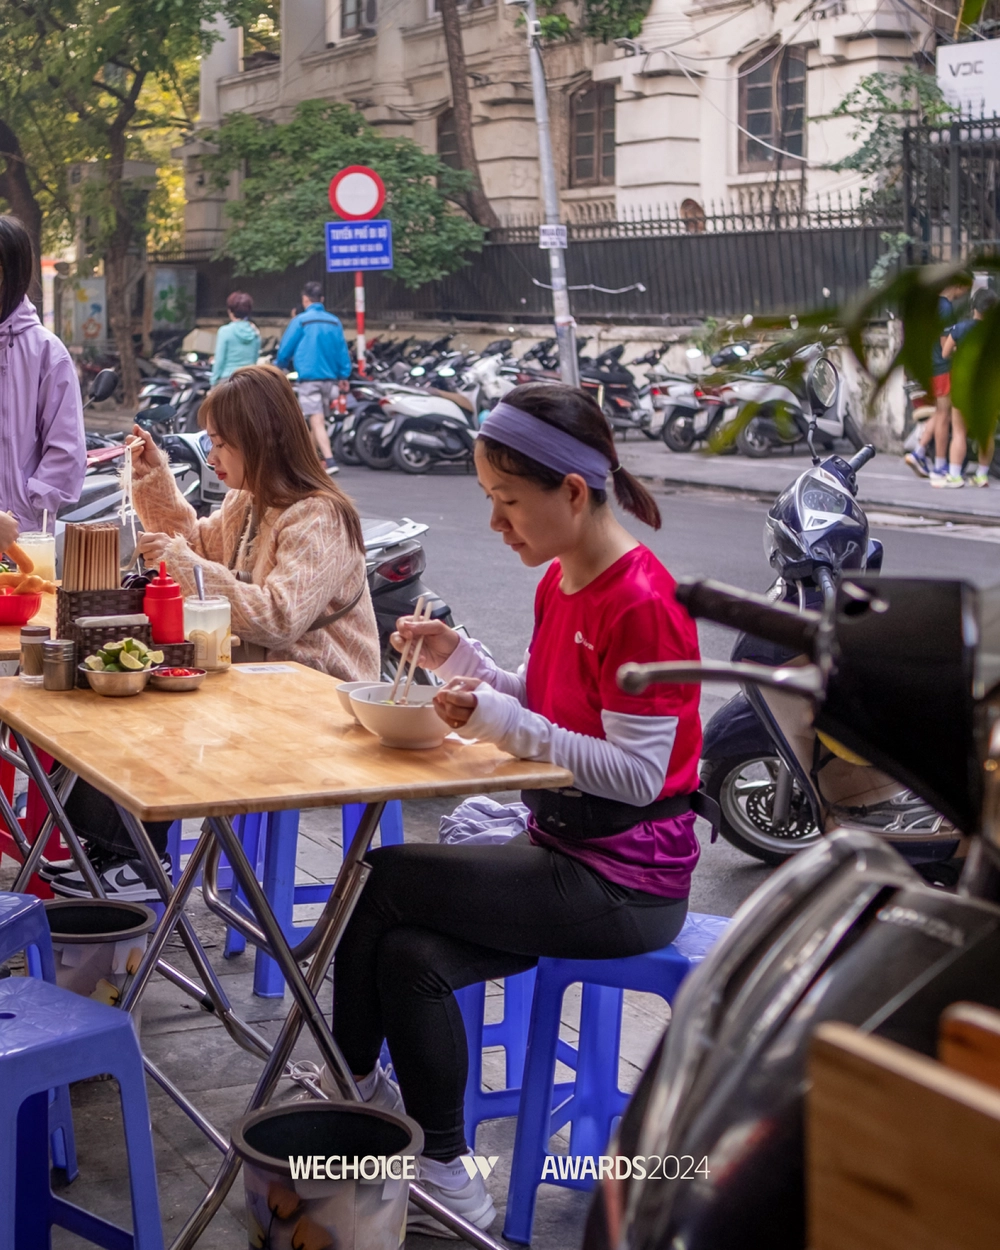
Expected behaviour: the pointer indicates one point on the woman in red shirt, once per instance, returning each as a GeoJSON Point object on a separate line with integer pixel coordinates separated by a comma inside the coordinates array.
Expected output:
{"type": "Point", "coordinates": [605, 868]}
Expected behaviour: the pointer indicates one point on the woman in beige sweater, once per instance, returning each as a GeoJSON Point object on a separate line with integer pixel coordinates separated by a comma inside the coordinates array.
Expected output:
{"type": "Point", "coordinates": [285, 548]}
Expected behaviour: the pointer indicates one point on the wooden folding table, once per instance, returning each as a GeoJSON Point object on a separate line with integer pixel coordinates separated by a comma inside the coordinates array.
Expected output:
{"type": "Point", "coordinates": [258, 738]}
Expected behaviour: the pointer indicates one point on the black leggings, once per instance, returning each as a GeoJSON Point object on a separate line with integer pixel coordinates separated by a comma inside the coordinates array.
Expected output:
{"type": "Point", "coordinates": [95, 818]}
{"type": "Point", "coordinates": [434, 918]}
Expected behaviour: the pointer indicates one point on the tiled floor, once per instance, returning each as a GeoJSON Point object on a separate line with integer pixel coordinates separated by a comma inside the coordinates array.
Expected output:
{"type": "Point", "coordinates": [193, 1050]}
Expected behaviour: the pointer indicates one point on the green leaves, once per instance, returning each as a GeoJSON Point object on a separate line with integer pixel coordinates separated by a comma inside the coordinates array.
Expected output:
{"type": "Point", "coordinates": [278, 221]}
{"type": "Point", "coordinates": [970, 13]}
{"type": "Point", "coordinates": [614, 19]}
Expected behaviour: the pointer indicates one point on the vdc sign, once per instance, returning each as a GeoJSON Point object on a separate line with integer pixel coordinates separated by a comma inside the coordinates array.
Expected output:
{"type": "Point", "coordinates": [969, 76]}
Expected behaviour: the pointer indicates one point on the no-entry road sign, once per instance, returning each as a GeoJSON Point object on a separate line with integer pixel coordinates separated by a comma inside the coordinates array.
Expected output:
{"type": "Point", "coordinates": [358, 245]}
{"type": "Point", "coordinates": [357, 193]}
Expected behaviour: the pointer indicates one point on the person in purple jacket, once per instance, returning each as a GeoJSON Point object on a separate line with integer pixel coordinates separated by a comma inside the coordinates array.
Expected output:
{"type": "Point", "coordinates": [43, 454]}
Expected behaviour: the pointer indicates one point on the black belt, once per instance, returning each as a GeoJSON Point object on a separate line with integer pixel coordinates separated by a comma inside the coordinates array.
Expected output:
{"type": "Point", "coordinates": [578, 817]}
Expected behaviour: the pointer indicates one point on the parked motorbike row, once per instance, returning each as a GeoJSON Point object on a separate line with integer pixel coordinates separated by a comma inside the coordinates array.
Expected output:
{"type": "Point", "coordinates": [768, 407]}
{"type": "Point", "coordinates": [423, 404]}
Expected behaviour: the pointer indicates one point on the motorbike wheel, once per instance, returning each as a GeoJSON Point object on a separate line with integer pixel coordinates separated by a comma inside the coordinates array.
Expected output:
{"type": "Point", "coordinates": [368, 444]}
{"type": "Point", "coordinates": [852, 433]}
{"type": "Point", "coordinates": [753, 441]}
{"type": "Point", "coordinates": [678, 432]}
{"type": "Point", "coordinates": [343, 450]}
{"type": "Point", "coordinates": [409, 458]}
{"type": "Point", "coordinates": [744, 788]}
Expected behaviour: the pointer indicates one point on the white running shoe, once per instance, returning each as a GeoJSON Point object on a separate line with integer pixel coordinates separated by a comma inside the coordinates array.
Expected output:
{"type": "Point", "coordinates": [385, 1096]}
{"type": "Point", "coordinates": [471, 1200]}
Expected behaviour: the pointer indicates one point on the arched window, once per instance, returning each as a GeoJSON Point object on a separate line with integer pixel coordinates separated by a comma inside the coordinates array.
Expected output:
{"type": "Point", "coordinates": [447, 141]}
{"type": "Point", "coordinates": [773, 109]}
{"type": "Point", "coordinates": [592, 136]}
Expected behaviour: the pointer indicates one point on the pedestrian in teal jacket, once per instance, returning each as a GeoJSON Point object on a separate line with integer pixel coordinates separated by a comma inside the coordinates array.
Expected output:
{"type": "Point", "coordinates": [238, 343]}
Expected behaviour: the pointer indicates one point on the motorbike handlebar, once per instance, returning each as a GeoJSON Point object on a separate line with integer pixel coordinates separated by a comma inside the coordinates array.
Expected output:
{"type": "Point", "coordinates": [863, 456]}
{"type": "Point", "coordinates": [754, 614]}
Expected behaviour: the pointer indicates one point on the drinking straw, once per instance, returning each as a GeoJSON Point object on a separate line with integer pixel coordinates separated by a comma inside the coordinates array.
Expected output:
{"type": "Point", "coordinates": [45, 520]}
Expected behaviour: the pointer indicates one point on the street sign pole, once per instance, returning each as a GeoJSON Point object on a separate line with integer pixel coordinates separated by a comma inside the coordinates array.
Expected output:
{"type": "Point", "coordinates": [359, 316]}
{"type": "Point", "coordinates": [569, 369]}
{"type": "Point", "coordinates": [357, 194]}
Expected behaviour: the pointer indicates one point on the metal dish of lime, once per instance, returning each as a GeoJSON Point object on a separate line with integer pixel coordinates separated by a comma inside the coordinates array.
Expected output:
{"type": "Point", "coordinates": [120, 669]}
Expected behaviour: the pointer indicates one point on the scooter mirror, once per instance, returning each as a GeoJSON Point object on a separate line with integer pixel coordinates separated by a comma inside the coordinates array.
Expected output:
{"type": "Point", "coordinates": [103, 385]}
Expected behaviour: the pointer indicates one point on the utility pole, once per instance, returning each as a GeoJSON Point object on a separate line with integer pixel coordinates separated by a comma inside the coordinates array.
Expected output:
{"type": "Point", "coordinates": [554, 240]}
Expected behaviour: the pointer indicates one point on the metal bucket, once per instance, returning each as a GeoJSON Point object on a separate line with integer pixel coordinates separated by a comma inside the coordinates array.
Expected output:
{"type": "Point", "coordinates": [289, 1211]}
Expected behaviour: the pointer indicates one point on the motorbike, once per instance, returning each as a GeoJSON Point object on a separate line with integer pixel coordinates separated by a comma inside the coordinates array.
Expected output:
{"type": "Point", "coordinates": [694, 411]}
{"type": "Point", "coordinates": [170, 402]}
{"type": "Point", "coordinates": [783, 405]}
{"type": "Point", "coordinates": [421, 427]}
{"type": "Point", "coordinates": [778, 783]}
{"type": "Point", "coordinates": [905, 673]}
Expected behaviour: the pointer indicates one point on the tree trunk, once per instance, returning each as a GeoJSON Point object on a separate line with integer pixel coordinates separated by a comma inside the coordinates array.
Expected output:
{"type": "Point", "coordinates": [479, 206]}
{"type": "Point", "coordinates": [15, 188]}
{"type": "Point", "coordinates": [116, 266]}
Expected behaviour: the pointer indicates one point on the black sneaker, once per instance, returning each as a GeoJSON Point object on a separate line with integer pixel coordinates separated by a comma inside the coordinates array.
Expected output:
{"type": "Point", "coordinates": [123, 879]}
{"type": "Point", "coordinates": [331, 466]}
{"type": "Point", "coordinates": [99, 856]}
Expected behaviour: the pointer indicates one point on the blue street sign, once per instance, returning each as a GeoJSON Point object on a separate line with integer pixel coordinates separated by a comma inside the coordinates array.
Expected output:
{"type": "Point", "coordinates": [358, 245]}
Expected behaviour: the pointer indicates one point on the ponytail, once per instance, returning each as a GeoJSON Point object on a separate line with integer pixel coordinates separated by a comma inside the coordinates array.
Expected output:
{"type": "Point", "coordinates": [576, 413]}
{"type": "Point", "coordinates": [633, 497]}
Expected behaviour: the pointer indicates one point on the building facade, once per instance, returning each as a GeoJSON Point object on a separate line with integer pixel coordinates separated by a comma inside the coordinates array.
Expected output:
{"type": "Point", "coordinates": [711, 102]}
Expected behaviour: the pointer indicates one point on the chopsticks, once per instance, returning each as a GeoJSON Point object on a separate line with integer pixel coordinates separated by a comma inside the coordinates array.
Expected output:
{"type": "Point", "coordinates": [423, 613]}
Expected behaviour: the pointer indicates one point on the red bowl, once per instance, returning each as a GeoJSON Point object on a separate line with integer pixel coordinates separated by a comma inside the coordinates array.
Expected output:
{"type": "Point", "coordinates": [18, 609]}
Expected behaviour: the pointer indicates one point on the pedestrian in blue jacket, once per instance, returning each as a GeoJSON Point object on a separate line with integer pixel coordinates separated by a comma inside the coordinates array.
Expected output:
{"type": "Point", "coordinates": [314, 345]}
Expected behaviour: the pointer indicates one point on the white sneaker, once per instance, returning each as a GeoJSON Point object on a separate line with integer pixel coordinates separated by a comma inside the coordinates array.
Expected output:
{"type": "Point", "coordinates": [385, 1096]}
{"type": "Point", "coordinates": [471, 1200]}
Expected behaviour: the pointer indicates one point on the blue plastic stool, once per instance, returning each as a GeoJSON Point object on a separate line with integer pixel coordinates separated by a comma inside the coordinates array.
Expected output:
{"type": "Point", "coordinates": [271, 838]}
{"type": "Point", "coordinates": [178, 845]}
{"type": "Point", "coordinates": [593, 1101]}
{"type": "Point", "coordinates": [50, 1037]}
{"type": "Point", "coordinates": [511, 1032]}
{"type": "Point", "coordinates": [25, 927]}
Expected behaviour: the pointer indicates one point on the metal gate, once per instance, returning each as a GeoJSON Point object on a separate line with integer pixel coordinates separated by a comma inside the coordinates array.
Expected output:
{"type": "Point", "coordinates": [950, 184]}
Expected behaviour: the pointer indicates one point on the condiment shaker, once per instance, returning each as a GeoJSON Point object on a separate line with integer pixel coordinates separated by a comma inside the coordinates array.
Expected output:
{"type": "Point", "coordinates": [32, 637]}
{"type": "Point", "coordinates": [59, 664]}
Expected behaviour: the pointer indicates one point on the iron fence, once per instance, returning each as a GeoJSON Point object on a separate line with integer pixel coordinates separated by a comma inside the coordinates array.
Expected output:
{"type": "Point", "coordinates": [651, 278]}
{"type": "Point", "coordinates": [950, 186]}
{"type": "Point", "coordinates": [754, 210]}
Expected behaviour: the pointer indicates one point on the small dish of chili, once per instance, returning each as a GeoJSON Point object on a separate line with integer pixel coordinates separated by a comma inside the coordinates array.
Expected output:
{"type": "Point", "coordinates": [177, 680]}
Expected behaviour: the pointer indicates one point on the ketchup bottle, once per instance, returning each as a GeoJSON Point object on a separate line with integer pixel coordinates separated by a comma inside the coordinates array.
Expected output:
{"type": "Point", "coordinates": [164, 605]}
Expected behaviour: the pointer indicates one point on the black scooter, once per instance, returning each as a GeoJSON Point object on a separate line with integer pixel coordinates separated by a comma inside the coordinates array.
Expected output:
{"type": "Point", "coordinates": [777, 783]}
{"type": "Point", "coordinates": [905, 673]}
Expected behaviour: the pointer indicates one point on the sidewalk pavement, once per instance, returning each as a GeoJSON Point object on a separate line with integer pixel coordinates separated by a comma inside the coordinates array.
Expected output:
{"type": "Point", "coordinates": [884, 482]}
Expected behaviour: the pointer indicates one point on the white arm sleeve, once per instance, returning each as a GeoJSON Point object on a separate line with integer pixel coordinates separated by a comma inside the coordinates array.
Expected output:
{"type": "Point", "coordinates": [470, 660]}
{"type": "Point", "coordinates": [629, 765]}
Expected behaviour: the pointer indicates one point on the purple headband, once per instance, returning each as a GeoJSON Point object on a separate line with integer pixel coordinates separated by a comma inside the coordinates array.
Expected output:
{"type": "Point", "coordinates": [547, 444]}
